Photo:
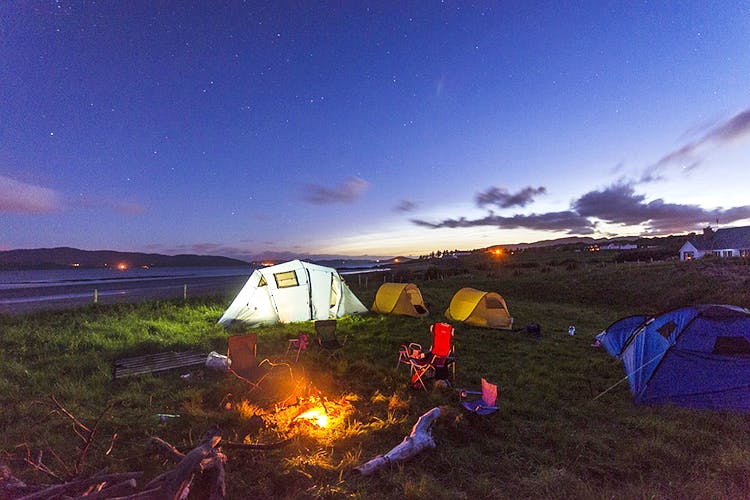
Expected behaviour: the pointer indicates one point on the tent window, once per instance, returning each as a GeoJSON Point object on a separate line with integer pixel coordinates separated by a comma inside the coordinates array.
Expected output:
{"type": "Point", "coordinates": [666, 329]}
{"type": "Point", "coordinates": [286, 280]}
{"type": "Point", "coordinates": [732, 346]}
{"type": "Point", "coordinates": [493, 303]}
{"type": "Point", "coordinates": [262, 281]}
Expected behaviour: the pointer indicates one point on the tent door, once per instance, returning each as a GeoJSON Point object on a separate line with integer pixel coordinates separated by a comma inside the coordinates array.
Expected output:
{"type": "Point", "coordinates": [291, 295]}
{"type": "Point", "coordinates": [334, 299]}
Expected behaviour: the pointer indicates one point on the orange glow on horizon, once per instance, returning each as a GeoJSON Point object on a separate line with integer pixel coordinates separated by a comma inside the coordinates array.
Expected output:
{"type": "Point", "coordinates": [122, 266]}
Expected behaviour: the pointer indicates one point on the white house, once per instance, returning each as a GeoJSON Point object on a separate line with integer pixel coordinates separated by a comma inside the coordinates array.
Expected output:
{"type": "Point", "coordinates": [725, 242]}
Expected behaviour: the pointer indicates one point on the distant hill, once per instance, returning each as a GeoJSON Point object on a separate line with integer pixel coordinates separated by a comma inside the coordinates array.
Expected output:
{"type": "Point", "coordinates": [571, 240]}
{"type": "Point", "coordinates": [659, 241]}
{"type": "Point", "coordinates": [64, 257]}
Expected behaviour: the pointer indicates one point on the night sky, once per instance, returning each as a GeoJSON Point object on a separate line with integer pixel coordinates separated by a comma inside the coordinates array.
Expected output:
{"type": "Point", "coordinates": [368, 128]}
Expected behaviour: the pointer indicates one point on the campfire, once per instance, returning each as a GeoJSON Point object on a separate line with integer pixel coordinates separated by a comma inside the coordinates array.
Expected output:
{"type": "Point", "coordinates": [318, 416]}
{"type": "Point", "coordinates": [310, 414]}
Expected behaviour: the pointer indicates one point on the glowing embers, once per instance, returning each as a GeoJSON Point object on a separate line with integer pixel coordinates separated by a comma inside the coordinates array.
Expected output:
{"type": "Point", "coordinates": [317, 411]}
{"type": "Point", "coordinates": [318, 416]}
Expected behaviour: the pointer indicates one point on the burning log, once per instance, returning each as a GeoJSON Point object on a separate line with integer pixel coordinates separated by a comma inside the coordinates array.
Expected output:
{"type": "Point", "coordinates": [417, 441]}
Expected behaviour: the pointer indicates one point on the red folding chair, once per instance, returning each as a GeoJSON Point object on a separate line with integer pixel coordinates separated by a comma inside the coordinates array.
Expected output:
{"type": "Point", "coordinates": [439, 362]}
{"type": "Point", "coordinates": [298, 345]}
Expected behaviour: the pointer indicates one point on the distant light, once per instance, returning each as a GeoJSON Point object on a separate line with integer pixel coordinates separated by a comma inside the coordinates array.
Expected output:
{"type": "Point", "coordinates": [75, 265]}
{"type": "Point", "coordinates": [395, 260]}
{"type": "Point", "coordinates": [122, 266]}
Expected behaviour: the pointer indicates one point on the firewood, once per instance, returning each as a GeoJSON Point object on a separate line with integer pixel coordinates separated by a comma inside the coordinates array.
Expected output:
{"type": "Point", "coordinates": [80, 484]}
{"type": "Point", "coordinates": [259, 446]}
{"type": "Point", "coordinates": [418, 440]}
{"type": "Point", "coordinates": [166, 449]}
{"type": "Point", "coordinates": [113, 491]}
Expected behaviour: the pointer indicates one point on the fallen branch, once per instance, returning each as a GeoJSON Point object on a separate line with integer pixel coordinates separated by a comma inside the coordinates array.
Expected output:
{"type": "Point", "coordinates": [251, 446]}
{"type": "Point", "coordinates": [417, 441]}
{"type": "Point", "coordinates": [37, 464]}
{"type": "Point", "coordinates": [176, 483]}
{"type": "Point", "coordinates": [80, 484]}
{"type": "Point", "coordinates": [116, 490]}
{"type": "Point", "coordinates": [90, 439]}
{"type": "Point", "coordinates": [11, 486]}
{"type": "Point", "coordinates": [166, 449]}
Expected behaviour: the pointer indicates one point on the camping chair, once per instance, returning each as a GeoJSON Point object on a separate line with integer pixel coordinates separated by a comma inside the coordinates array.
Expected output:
{"type": "Point", "coordinates": [440, 361]}
{"type": "Point", "coordinates": [484, 405]}
{"type": "Point", "coordinates": [325, 335]}
{"type": "Point", "coordinates": [242, 351]}
{"type": "Point", "coordinates": [413, 350]}
{"type": "Point", "coordinates": [299, 344]}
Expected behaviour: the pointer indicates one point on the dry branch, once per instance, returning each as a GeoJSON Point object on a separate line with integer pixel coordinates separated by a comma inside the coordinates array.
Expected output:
{"type": "Point", "coordinates": [166, 449]}
{"type": "Point", "coordinates": [81, 484]}
{"type": "Point", "coordinates": [417, 441]}
{"type": "Point", "coordinates": [176, 483]}
{"type": "Point", "coordinates": [118, 489]}
{"type": "Point", "coordinates": [205, 461]}
{"type": "Point", "coordinates": [250, 446]}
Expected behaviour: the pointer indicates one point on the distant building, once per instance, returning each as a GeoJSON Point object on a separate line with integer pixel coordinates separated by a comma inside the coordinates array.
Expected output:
{"type": "Point", "coordinates": [620, 246]}
{"type": "Point", "coordinates": [725, 242]}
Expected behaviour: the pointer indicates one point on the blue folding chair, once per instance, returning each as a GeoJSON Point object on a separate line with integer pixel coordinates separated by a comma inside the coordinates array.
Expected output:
{"type": "Point", "coordinates": [486, 404]}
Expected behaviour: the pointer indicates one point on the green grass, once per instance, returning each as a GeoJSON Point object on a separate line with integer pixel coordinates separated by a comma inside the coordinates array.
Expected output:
{"type": "Point", "coordinates": [550, 439]}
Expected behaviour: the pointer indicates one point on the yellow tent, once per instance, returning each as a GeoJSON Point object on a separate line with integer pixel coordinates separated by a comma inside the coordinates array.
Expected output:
{"type": "Point", "coordinates": [479, 308]}
{"type": "Point", "coordinates": [399, 298]}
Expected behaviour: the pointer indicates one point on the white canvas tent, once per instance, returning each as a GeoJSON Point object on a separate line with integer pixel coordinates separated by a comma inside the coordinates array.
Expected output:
{"type": "Point", "coordinates": [292, 291]}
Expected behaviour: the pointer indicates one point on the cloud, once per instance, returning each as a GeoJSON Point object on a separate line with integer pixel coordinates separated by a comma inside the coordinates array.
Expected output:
{"type": "Point", "coordinates": [619, 204]}
{"type": "Point", "coordinates": [735, 128]}
{"type": "Point", "coordinates": [616, 204]}
{"type": "Point", "coordinates": [501, 198]}
{"type": "Point", "coordinates": [23, 198]}
{"type": "Point", "coordinates": [567, 221]}
{"type": "Point", "coordinates": [347, 192]}
{"type": "Point", "coordinates": [405, 206]}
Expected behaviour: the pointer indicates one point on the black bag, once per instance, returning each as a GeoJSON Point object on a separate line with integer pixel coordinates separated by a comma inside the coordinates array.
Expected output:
{"type": "Point", "coordinates": [534, 330]}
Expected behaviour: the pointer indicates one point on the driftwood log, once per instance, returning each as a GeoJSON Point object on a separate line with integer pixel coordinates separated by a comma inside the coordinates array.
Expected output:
{"type": "Point", "coordinates": [418, 440]}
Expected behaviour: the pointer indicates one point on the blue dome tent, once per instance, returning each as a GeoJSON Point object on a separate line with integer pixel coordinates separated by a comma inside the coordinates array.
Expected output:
{"type": "Point", "coordinates": [697, 356]}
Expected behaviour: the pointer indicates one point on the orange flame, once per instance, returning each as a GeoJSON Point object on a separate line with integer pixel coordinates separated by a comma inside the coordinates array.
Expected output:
{"type": "Point", "coordinates": [316, 415]}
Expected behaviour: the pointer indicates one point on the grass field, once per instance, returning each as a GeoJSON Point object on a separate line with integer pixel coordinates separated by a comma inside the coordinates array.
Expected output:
{"type": "Point", "coordinates": [550, 439]}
